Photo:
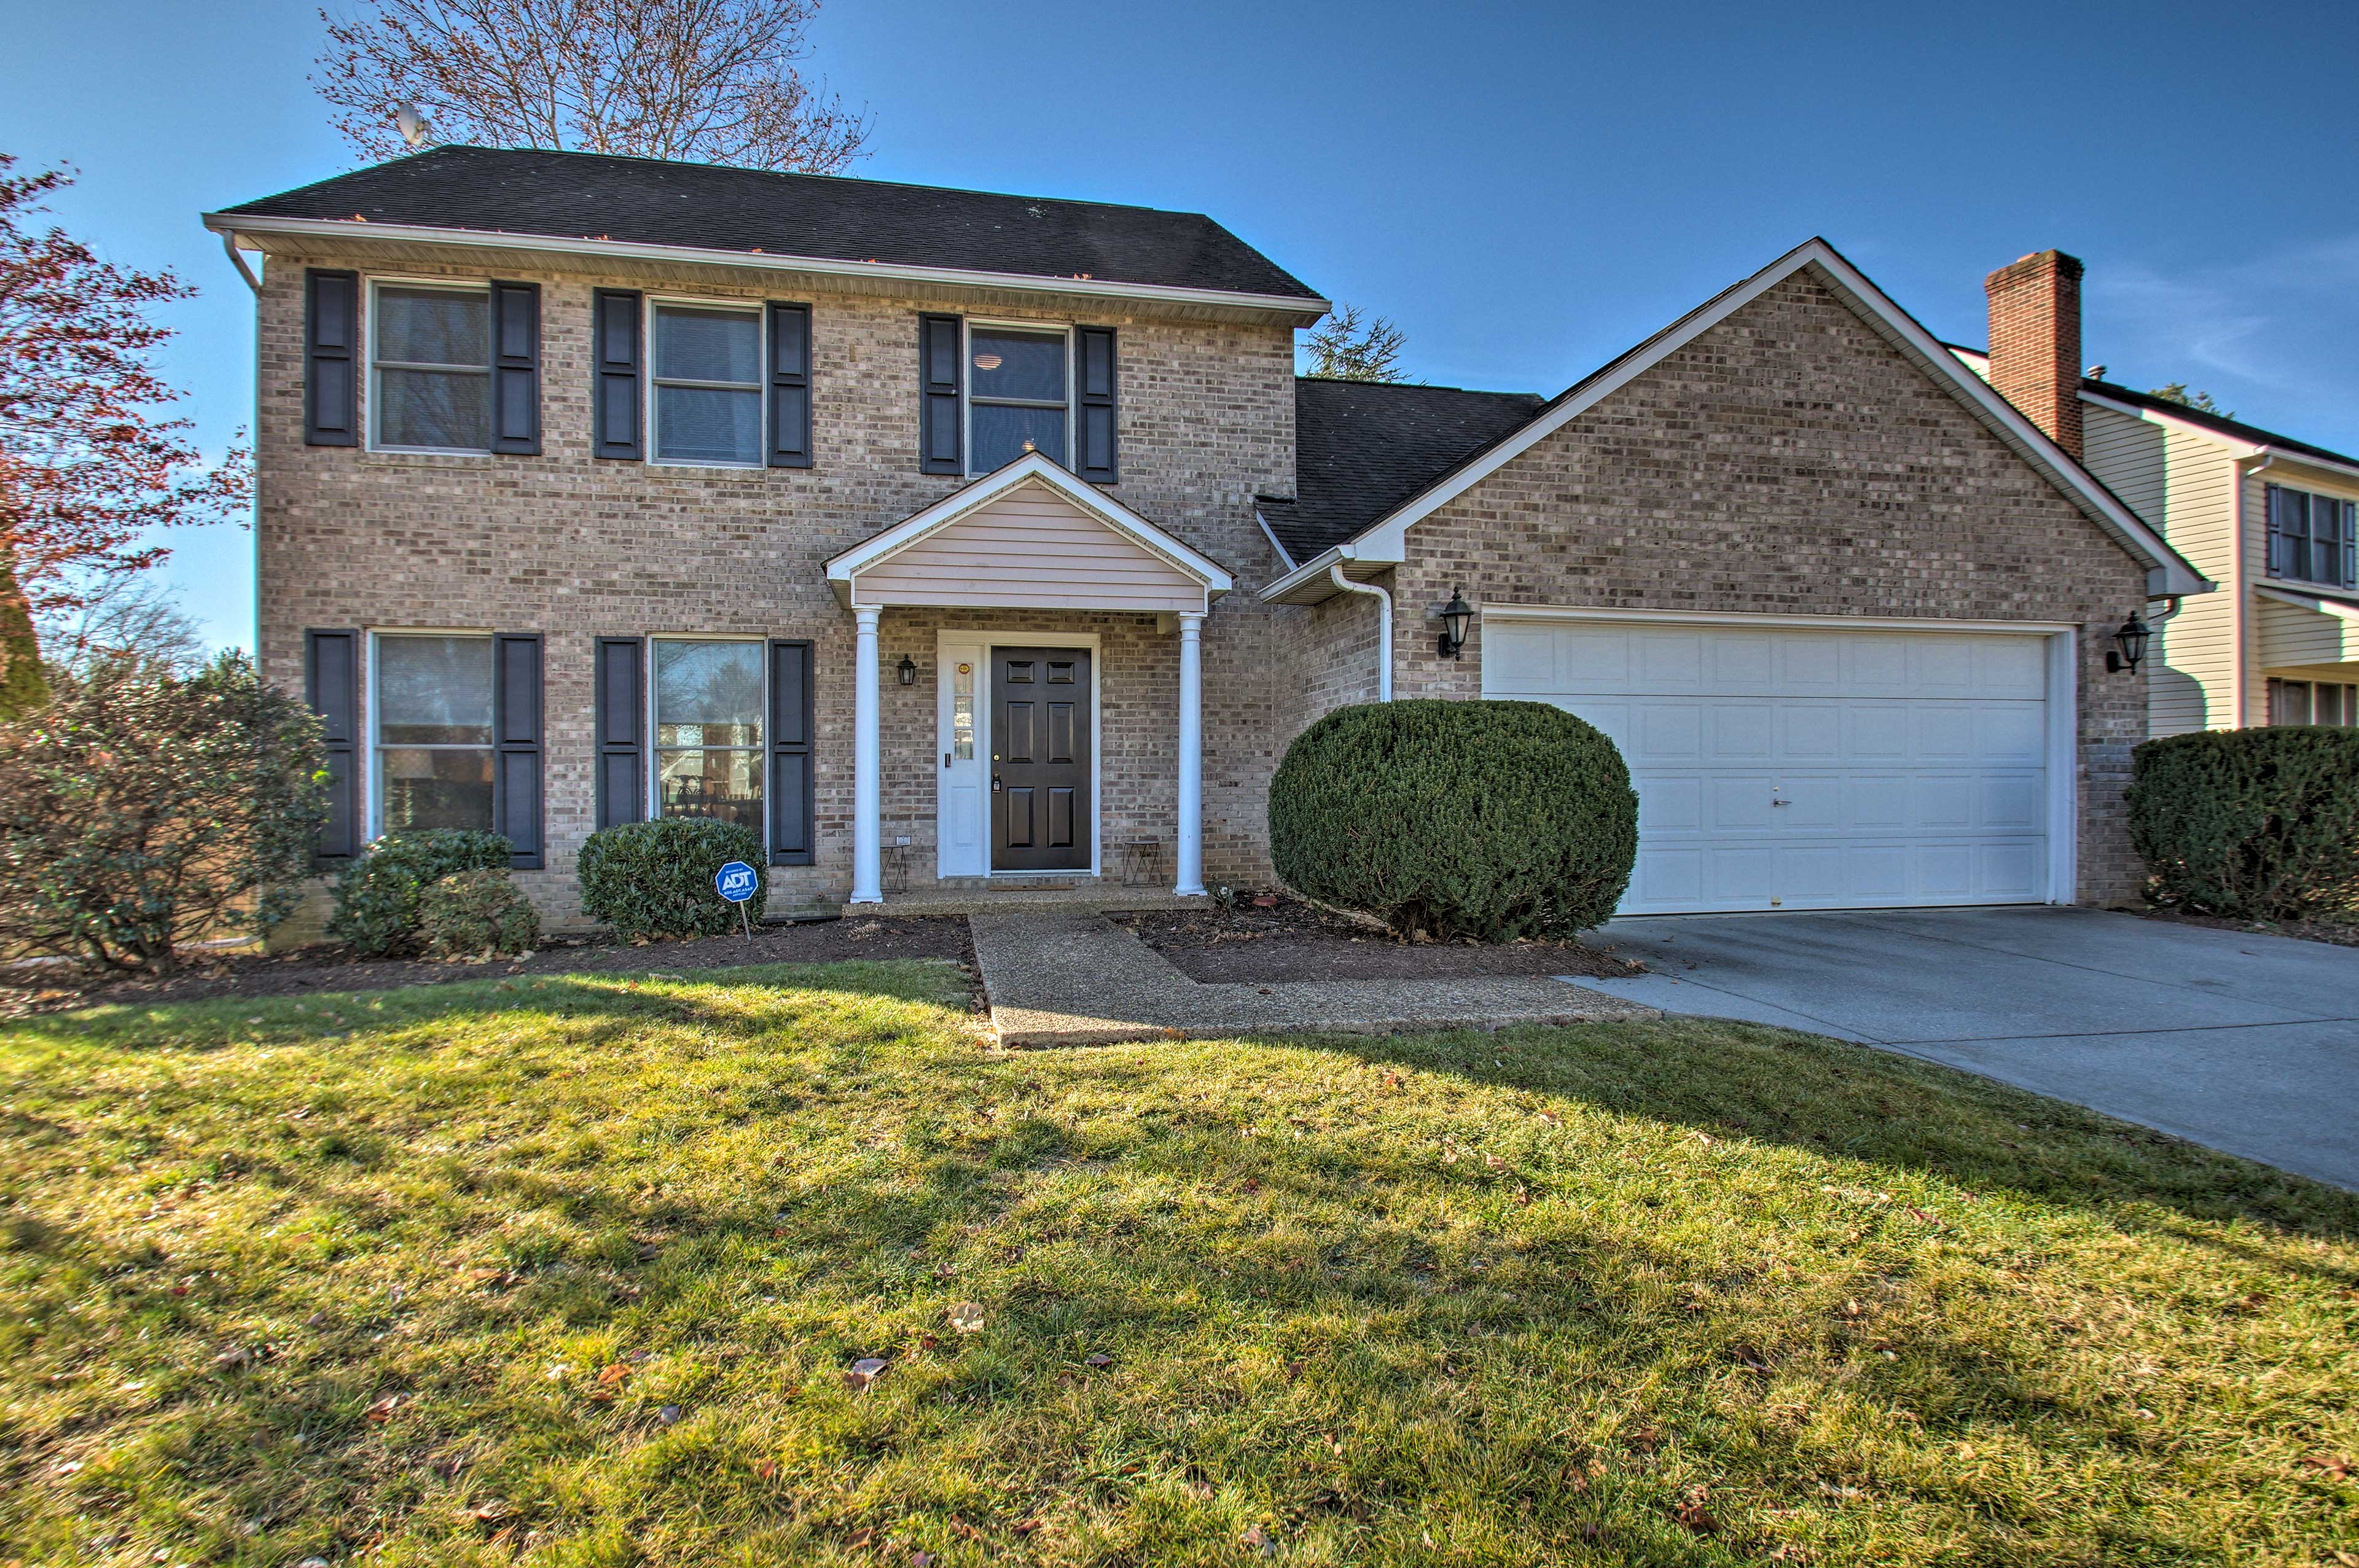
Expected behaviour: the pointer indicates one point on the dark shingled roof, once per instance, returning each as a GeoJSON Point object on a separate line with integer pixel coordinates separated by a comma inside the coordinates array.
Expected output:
{"type": "Point", "coordinates": [1362, 448]}
{"type": "Point", "coordinates": [646, 202]}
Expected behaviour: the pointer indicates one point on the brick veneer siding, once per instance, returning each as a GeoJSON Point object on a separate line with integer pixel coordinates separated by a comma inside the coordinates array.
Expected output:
{"type": "Point", "coordinates": [1789, 460]}
{"type": "Point", "coordinates": [576, 549]}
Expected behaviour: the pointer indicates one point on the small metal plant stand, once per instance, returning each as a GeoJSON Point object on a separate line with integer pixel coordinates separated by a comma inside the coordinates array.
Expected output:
{"type": "Point", "coordinates": [1142, 863]}
{"type": "Point", "coordinates": [897, 866]}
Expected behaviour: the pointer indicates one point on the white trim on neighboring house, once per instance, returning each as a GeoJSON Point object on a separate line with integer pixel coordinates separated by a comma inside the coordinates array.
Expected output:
{"type": "Point", "coordinates": [1302, 312]}
{"type": "Point", "coordinates": [1034, 468]}
{"type": "Point", "coordinates": [2236, 444]}
{"type": "Point", "coordinates": [2301, 599]}
{"type": "Point", "coordinates": [2168, 572]}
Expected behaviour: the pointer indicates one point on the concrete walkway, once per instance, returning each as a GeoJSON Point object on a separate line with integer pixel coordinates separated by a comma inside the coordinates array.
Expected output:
{"type": "Point", "coordinates": [2246, 1043]}
{"type": "Point", "coordinates": [1072, 978]}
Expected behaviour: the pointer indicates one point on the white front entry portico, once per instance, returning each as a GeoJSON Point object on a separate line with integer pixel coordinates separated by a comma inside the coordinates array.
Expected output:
{"type": "Point", "coordinates": [1033, 537]}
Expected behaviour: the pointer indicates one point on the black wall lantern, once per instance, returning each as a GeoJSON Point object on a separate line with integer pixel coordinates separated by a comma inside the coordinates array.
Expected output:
{"type": "Point", "coordinates": [1455, 617]}
{"type": "Point", "coordinates": [2130, 644]}
{"type": "Point", "coordinates": [907, 670]}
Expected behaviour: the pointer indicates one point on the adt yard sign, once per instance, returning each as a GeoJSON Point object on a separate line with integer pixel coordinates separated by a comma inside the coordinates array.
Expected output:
{"type": "Point", "coordinates": [735, 882]}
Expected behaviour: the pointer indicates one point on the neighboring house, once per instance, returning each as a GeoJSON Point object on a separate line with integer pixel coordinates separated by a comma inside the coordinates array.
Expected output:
{"type": "Point", "coordinates": [987, 539]}
{"type": "Point", "coordinates": [2273, 521]}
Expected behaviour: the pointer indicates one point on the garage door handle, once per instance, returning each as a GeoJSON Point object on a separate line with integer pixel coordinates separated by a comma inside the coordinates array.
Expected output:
{"type": "Point", "coordinates": [1781, 803]}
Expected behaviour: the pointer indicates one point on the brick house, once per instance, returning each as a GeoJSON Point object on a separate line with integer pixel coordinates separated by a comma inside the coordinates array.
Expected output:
{"type": "Point", "coordinates": [958, 541]}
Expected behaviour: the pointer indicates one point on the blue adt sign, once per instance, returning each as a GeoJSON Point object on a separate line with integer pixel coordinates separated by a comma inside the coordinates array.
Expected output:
{"type": "Point", "coordinates": [734, 881]}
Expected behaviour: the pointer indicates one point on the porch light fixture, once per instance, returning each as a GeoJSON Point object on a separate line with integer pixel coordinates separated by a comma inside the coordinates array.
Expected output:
{"type": "Point", "coordinates": [907, 670]}
{"type": "Point", "coordinates": [1455, 617]}
{"type": "Point", "coordinates": [2130, 648]}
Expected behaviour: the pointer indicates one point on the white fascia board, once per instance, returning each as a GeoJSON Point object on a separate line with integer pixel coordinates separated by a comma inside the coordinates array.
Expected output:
{"type": "Point", "coordinates": [232, 225]}
{"type": "Point", "coordinates": [2341, 608]}
{"type": "Point", "coordinates": [1030, 469]}
{"type": "Point", "coordinates": [2169, 572]}
{"type": "Point", "coordinates": [2244, 449]}
{"type": "Point", "coordinates": [1311, 583]}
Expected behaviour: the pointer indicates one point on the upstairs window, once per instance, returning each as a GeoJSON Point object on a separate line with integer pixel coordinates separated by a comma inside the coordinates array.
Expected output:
{"type": "Point", "coordinates": [708, 723]}
{"type": "Point", "coordinates": [1016, 396]}
{"type": "Point", "coordinates": [431, 350]}
{"type": "Point", "coordinates": [708, 385]}
{"type": "Point", "coordinates": [2312, 538]}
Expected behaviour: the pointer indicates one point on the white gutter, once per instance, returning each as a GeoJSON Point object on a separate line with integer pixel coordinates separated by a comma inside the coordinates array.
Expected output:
{"type": "Point", "coordinates": [1383, 626]}
{"type": "Point", "coordinates": [2242, 448]}
{"type": "Point", "coordinates": [228, 244]}
{"type": "Point", "coordinates": [231, 225]}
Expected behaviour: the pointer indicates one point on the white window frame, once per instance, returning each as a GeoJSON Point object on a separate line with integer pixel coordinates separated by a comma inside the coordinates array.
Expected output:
{"type": "Point", "coordinates": [482, 286]}
{"type": "Point", "coordinates": [761, 385]}
{"type": "Point", "coordinates": [371, 796]}
{"type": "Point", "coordinates": [762, 747]}
{"type": "Point", "coordinates": [966, 384]}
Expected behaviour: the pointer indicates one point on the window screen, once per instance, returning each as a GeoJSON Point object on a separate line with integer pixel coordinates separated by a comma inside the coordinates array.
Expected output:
{"type": "Point", "coordinates": [432, 349]}
{"type": "Point", "coordinates": [708, 380]}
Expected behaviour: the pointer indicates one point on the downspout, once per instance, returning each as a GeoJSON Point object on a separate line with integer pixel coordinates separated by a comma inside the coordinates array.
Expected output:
{"type": "Point", "coordinates": [228, 246]}
{"type": "Point", "coordinates": [1383, 626]}
{"type": "Point", "coordinates": [2240, 688]}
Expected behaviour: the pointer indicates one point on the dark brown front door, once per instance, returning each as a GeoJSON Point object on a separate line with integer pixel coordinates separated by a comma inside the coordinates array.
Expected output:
{"type": "Point", "coordinates": [1039, 760]}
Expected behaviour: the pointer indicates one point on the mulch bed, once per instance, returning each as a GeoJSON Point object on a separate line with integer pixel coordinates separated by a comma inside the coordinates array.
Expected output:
{"type": "Point", "coordinates": [1290, 941]}
{"type": "Point", "coordinates": [2340, 933]}
{"type": "Point", "coordinates": [334, 968]}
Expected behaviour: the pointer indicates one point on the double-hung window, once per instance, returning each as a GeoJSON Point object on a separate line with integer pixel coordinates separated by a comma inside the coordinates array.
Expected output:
{"type": "Point", "coordinates": [708, 385]}
{"type": "Point", "coordinates": [431, 353]}
{"type": "Point", "coordinates": [2313, 702]}
{"type": "Point", "coordinates": [709, 702]}
{"type": "Point", "coordinates": [434, 750]}
{"type": "Point", "coordinates": [2312, 538]}
{"type": "Point", "coordinates": [1018, 395]}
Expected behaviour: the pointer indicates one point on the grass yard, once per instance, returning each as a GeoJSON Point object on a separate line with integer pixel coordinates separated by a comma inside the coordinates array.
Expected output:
{"type": "Point", "coordinates": [573, 1270]}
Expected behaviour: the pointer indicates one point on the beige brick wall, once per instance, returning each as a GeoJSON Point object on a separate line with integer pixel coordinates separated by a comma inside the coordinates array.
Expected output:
{"type": "Point", "coordinates": [1789, 460]}
{"type": "Point", "coordinates": [575, 548]}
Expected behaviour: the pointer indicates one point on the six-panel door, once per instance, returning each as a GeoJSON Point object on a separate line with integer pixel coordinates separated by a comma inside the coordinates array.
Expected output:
{"type": "Point", "coordinates": [1040, 759]}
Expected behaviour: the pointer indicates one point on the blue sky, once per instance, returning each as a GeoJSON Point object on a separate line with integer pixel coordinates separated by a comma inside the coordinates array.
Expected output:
{"type": "Point", "coordinates": [1526, 190]}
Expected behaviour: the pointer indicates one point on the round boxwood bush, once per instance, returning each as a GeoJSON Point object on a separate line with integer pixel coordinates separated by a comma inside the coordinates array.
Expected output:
{"type": "Point", "coordinates": [655, 878]}
{"type": "Point", "coordinates": [376, 896]}
{"type": "Point", "coordinates": [476, 912]}
{"type": "Point", "coordinates": [1494, 820]}
{"type": "Point", "coordinates": [2252, 824]}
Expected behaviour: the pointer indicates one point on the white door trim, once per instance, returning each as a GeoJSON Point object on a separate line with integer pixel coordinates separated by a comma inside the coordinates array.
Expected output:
{"type": "Point", "coordinates": [2062, 695]}
{"type": "Point", "coordinates": [984, 640]}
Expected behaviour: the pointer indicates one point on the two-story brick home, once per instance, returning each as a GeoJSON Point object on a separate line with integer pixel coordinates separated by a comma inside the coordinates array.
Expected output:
{"type": "Point", "coordinates": [954, 540]}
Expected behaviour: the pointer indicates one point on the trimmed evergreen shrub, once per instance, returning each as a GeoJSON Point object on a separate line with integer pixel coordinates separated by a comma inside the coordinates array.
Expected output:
{"type": "Point", "coordinates": [1496, 820]}
{"type": "Point", "coordinates": [2252, 824]}
{"type": "Point", "coordinates": [376, 896]}
{"type": "Point", "coordinates": [476, 912]}
{"type": "Point", "coordinates": [655, 878]}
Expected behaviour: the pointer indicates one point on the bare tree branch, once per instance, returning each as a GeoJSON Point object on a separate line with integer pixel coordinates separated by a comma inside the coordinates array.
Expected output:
{"type": "Point", "coordinates": [710, 80]}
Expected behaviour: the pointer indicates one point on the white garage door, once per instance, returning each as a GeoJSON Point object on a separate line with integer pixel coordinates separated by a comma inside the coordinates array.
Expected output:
{"type": "Point", "coordinates": [1806, 768]}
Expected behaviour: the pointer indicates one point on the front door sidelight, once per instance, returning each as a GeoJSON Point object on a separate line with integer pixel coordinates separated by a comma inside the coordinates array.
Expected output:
{"type": "Point", "coordinates": [1040, 760]}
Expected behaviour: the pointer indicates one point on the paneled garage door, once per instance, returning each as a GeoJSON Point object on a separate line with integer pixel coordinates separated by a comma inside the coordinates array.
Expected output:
{"type": "Point", "coordinates": [1806, 768]}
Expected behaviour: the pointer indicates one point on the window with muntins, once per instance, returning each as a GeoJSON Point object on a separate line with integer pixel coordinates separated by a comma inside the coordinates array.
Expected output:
{"type": "Point", "coordinates": [1018, 395]}
{"type": "Point", "coordinates": [2312, 538]}
{"type": "Point", "coordinates": [707, 728]}
{"type": "Point", "coordinates": [431, 353]}
{"type": "Point", "coordinates": [708, 385]}
{"type": "Point", "coordinates": [434, 751]}
{"type": "Point", "coordinates": [2313, 702]}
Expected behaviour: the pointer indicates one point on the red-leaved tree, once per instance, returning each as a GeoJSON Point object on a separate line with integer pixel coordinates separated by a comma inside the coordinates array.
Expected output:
{"type": "Point", "coordinates": [89, 461]}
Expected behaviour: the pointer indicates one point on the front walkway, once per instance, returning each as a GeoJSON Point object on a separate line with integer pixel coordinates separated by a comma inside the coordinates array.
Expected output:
{"type": "Point", "coordinates": [2242, 1042]}
{"type": "Point", "coordinates": [1073, 978]}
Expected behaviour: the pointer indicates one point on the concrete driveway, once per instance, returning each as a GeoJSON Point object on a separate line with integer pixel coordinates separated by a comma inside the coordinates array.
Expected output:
{"type": "Point", "coordinates": [2246, 1043]}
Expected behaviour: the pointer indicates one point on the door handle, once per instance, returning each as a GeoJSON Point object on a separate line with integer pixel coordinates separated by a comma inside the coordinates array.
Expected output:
{"type": "Point", "coordinates": [995, 783]}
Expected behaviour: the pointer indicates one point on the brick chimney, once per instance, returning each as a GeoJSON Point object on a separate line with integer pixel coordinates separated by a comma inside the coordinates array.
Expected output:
{"type": "Point", "coordinates": [2035, 342]}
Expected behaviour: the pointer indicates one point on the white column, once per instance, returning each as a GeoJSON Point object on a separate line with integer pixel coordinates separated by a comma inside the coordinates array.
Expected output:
{"type": "Point", "coordinates": [867, 869]}
{"type": "Point", "coordinates": [1191, 857]}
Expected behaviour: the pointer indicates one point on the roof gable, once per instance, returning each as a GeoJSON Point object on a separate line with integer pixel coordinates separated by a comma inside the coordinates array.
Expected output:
{"type": "Point", "coordinates": [2168, 572]}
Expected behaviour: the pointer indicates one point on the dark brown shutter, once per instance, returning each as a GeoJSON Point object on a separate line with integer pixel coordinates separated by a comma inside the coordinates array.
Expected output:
{"type": "Point", "coordinates": [515, 368]}
{"type": "Point", "coordinates": [332, 330]}
{"type": "Point", "coordinates": [331, 684]}
{"type": "Point", "coordinates": [622, 729]}
{"type": "Point", "coordinates": [1093, 446]}
{"type": "Point", "coordinates": [615, 399]}
{"type": "Point", "coordinates": [941, 365]}
{"type": "Point", "coordinates": [790, 753]}
{"type": "Point", "coordinates": [790, 385]}
{"type": "Point", "coordinates": [516, 731]}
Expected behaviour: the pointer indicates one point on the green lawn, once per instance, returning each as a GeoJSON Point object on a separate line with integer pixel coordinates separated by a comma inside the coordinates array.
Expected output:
{"type": "Point", "coordinates": [572, 1271]}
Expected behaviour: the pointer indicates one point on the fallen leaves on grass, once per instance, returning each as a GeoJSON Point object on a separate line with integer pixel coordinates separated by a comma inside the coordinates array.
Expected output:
{"type": "Point", "coordinates": [967, 1317]}
{"type": "Point", "coordinates": [864, 1371]}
